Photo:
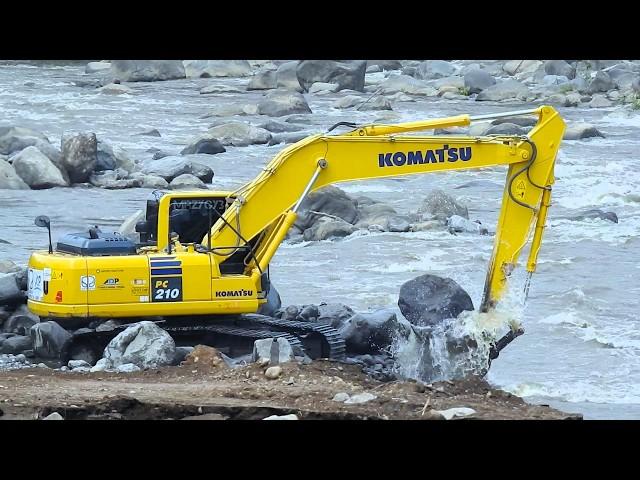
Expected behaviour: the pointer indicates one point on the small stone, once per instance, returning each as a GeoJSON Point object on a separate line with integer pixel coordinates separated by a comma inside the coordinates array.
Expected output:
{"type": "Point", "coordinates": [456, 412]}
{"type": "Point", "coordinates": [77, 364]}
{"type": "Point", "coordinates": [341, 397]}
{"type": "Point", "coordinates": [273, 373]}
{"type": "Point", "coordinates": [361, 398]}
{"type": "Point", "coordinates": [53, 416]}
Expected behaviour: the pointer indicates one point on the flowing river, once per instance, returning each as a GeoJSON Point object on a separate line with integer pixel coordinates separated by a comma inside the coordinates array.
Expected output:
{"type": "Point", "coordinates": [581, 350]}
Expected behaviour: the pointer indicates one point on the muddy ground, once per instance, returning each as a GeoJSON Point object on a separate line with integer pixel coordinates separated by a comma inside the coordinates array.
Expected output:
{"type": "Point", "coordinates": [220, 393]}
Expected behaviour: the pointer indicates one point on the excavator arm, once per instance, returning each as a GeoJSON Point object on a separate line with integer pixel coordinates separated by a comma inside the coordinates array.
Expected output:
{"type": "Point", "coordinates": [267, 206]}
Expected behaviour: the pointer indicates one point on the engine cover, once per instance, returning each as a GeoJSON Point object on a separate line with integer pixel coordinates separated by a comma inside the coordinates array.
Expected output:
{"type": "Point", "coordinates": [96, 243]}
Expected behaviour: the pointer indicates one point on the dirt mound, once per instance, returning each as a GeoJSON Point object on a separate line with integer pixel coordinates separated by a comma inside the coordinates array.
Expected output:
{"type": "Point", "coordinates": [205, 358]}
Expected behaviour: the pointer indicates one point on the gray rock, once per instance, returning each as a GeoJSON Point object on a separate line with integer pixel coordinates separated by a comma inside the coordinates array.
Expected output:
{"type": "Point", "coordinates": [109, 324]}
{"type": "Point", "coordinates": [53, 416]}
{"type": "Point", "coordinates": [279, 103]}
{"type": "Point", "coordinates": [559, 67]}
{"type": "Point", "coordinates": [442, 206]}
{"type": "Point", "coordinates": [505, 129]}
{"type": "Point", "coordinates": [204, 144]}
{"type": "Point", "coordinates": [310, 313]}
{"type": "Point", "coordinates": [595, 214]}
{"type": "Point", "coordinates": [600, 83]}
{"type": "Point", "coordinates": [330, 200]}
{"type": "Point", "coordinates": [101, 365]}
{"type": "Point", "coordinates": [371, 333]}
{"type": "Point", "coordinates": [506, 90]}
{"type": "Point", "coordinates": [262, 350]}
{"type": "Point", "coordinates": [432, 69]}
{"type": "Point", "coordinates": [10, 292]}
{"type": "Point", "coordinates": [515, 67]}
{"type": "Point", "coordinates": [239, 134]}
{"type": "Point", "coordinates": [291, 137]}
{"type": "Point", "coordinates": [360, 398]}
{"type": "Point", "coordinates": [79, 155]}
{"type": "Point", "coordinates": [376, 103]}
{"type": "Point", "coordinates": [111, 158]}
{"type": "Point", "coordinates": [7, 266]}
{"type": "Point", "coordinates": [15, 344]}
{"type": "Point", "coordinates": [168, 167]}
{"type": "Point", "coordinates": [217, 89]}
{"type": "Point", "coordinates": [600, 101]}
{"type": "Point", "coordinates": [347, 74]}
{"type": "Point", "coordinates": [478, 80]}
{"type": "Point", "coordinates": [202, 172]}
{"type": "Point", "coordinates": [114, 180]}
{"type": "Point", "coordinates": [216, 68]}
{"type": "Point", "coordinates": [554, 80]}
{"type": "Point", "coordinates": [115, 89]}
{"type": "Point", "coordinates": [127, 368]}
{"type": "Point", "coordinates": [153, 182]}
{"type": "Point", "coordinates": [407, 84]}
{"type": "Point", "coordinates": [14, 139]}
{"type": "Point", "coordinates": [147, 70]}
{"type": "Point", "coordinates": [334, 314]}
{"type": "Point", "coordinates": [150, 133]}
{"type": "Point", "coordinates": [143, 344]}
{"type": "Point", "coordinates": [429, 299]}
{"type": "Point", "coordinates": [263, 81]}
{"type": "Point", "coordinates": [385, 64]}
{"type": "Point", "coordinates": [231, 110]}
{"type": "Point", "coordinates": [275, 126]}
{"type": "Point", "coordinates": [73, 364]}
{"type": "Point", "coordinates": [273, 373]}
{"type": "Point", "coordinates": [326, 228]}
{"type": "Point", "coordinates": [382, 215]}
{"type": "Point", "coordinates": [323, 87]}
{"type": "Point", "coordinates": [273, 302]}
{"type": "Point", "coordinates": [20, 321]}
{"type": "Point", "coordinates": [97, 67]}
{"type": "Point", "coordinates": [520, 121]}
{"type": "Point", "coordinates": [291, 416]}
{"type": "Point", "coordinates": [287, 77]}
{"type": "Point", "coordinates": [341, 397]}
{"type": "Point", "coordinates": [635, 85]}
{"type": "Point", "coordinates": [579, 131]}
{"type": "Point", "coordinates": [347, 101]}
{"type": "Point", "coordinates": [457, 223]}
{"type": "Point", "coordinates": [49, 339]}
{"type": "Point", "coordinates": [9, 179]}
{"type": "Point", "coordinates": [186, 181]}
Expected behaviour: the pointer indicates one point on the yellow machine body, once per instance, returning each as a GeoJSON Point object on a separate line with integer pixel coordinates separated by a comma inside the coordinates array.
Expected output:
{"type": "Point", "coordinates": [174, 278]}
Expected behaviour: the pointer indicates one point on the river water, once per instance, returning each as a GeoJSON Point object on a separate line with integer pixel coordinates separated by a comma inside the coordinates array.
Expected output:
{"type": "Point", "coordinates": [581, 350]}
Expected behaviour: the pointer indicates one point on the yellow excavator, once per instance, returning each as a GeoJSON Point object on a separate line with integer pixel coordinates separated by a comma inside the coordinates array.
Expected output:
{"type": "Point", "coordinates": [205, 255]}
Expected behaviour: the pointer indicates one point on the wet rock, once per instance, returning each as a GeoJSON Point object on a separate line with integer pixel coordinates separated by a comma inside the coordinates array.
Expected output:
{"type": "Point", "coordinates": [186, 181]}
{"type": "Point", "coordinates": [382, 215]}
{"type": "Point", "coordinates": [326, 228]}
{"type": "Point", "coordinates": [310, 313]}
{"type": "Point", "coordinates": [9, 179]}
{"type": "Point", "coordinates": [275, 126]}
{"type": "Point", "coordinates": [266, 80]}
{"type": "Point", "coordinates": [216, 68]}
{"type": "Point", "coordinates": [291, 416]}
{"type": "Point", "coordinates": [153, 182]}
{"type": "Point", "coordinates": [114, 180]}
{"type": "Point", "coordinates": [329, 200]}
{"type": "Point", "coordinates": [407, 84]}
{"type": "Point", "coordinates": [370, 333]}
{"type": "Point", "coordinates": [273, 302]}
{"type": "Point", "coordinates": [287, 76]}
{"type": "Point", "coordinates": [505, 129]}
{"type": "Point", "coordinates": [36, 170]}
{"type": "Point", "coordinates": [205, 144]}
{"type": "Point", "coordinates": [595, 214]}
{"type": "Point", "coordinates": [7, 266]}
{"type": "Point", "coordinates": [15, 344]}
{"type": "Point", "coordinates": [279, 103]}
{"type": "Point", "coordinates": [559, 67]}
{"type": "Point", "coordinates": [143, 344]}
{"type": "Point", "coordinates": [217, 88]}
{"type": "Point", "coordinates": [53, 416]}
{"type": "Point", "coordinates": [478, 80]}
{"type": "Point", "coordinates": [323, 87]}
{"type": "Point", "coordinates": [97, 67]}
{"type": "Point", "coordinates": [201, 171]}
{"type": "Point", "coordinates": [147, 70]}
{"type": "Point", "coordinates": [150, 133]}
{"type": "Point", "coordinates": [515, 67]}
{"type": "Point", "coordinates": [428, 299]}
{"type": "Point", "coordinates": [10, 292]}
{"type": "Point", "coordinates": [347, 74]}
{"type": "Point", "coordinates": [334, 314]}
{"type": "Point", "coordinates": [460, 224]}
{"type": "Point", "coordinates": [20, 321]}
{"type": "Point", "coordinates": [601, 82]}
{"type": "Point", "coordinates": [360, 398]}
{"type": "Point", "coordinates": [112, 158]}
{"type": "Point", "coordinates": [73, 364]}
{"type": "Point", "coordinates": [79, 155]}
{"type": "Point", "coordinates": [441, 206]}
{"type": "Point", "coordinates": [523, 121]}
{"type": "Point", "coordinates": [115, 89]}
{"type": "Point", "coordinates": [262, 350]}
{"type": "Point", "coordinates": [375, 103]}
{"type": "Point", "coordinates": [347, 102]}
{"type": "Point", "coordinates": [231, 110]}
{"type": "Point", "coordinates": [49, 339]}
{"type": "Point", "coordinates": [385, 64]}
{"type": "Point", "coordinates": [168, 167]}
{"type": "Point", "coordinates": [14, 139]}
{"type": "Point", "coordinates": [291, 137]}
{"type": "Point", "coordinates": [579, 131]}
{"type": "Point", "coordinates": [600, 101]}
{"type": "Point", "coordinates": [432, 69]}
{"type": "Point", "coordinates": [506, 90]}
{"type": "Point", "coordinates": [273, 373]}
{"type": "Point", "coordinates": [239, 134]}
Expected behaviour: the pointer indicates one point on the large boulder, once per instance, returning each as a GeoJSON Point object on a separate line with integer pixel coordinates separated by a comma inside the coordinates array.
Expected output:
{"type": "Point", "coordinates": [20, 321]}
{"type": "Point", "coordinates": [15, 345]}
{"type": "Point", "coordinates": [601, 82]}
{"type": "Point", "coordinates": [326, 228]}
{"type": "Point", "coordinates": [239, 134]}
{"type": "Point", "coordinates": [147, 70]}
{"type": "Point", "coordinates": [114, 180]}
{"type": "Point", "coordinates": [384, 217]}
{"type": "Point", "coordinates": [432, 69]}
{"type": "Point", "coordinates": [37, 170]}
{"type": "Point", "coordinates": [347, 74]}
{"type": "Point", "coordinates": [371, 333]}
{"type": "Point", "coordinates": [9, 179]}
{"type": "Point", "coordinates": [559, 67]}
{"type": "Point", "coordinates": [265, 80]}
{"type": "Point", "coordinates": [330, 200]}
{"type": "Point", "coordinates": [216, 68]}
{"type": "Point", "coordinates": [441, 206]}
{"type": "Point", "coordinates": [407, 84]}
{"type": "Point", "coordinates": [10, 292]}
{"type": "Point", "coordinates": [14, 139]}
{"type": "Point", "coordinates": [273, 301]}
{"type": "Point", "coordinates": [595, 214]}
{"type": "Point", "coordinates": [262, 350]}
{"type": "Point", "coordinates": [477, 80]}
{"type": "Point", "coordinates": [385, 64]}
{"type": "Point", "coordinates": [199, 170]}
{"type": "Point", "coordinates": [506, 90]}
{"type": "Point", "coordinates": [186, 181]}
{"type": "Point", "coordinates": [144, 344]}
{"type": "Point", "coordinates": [205, 144]}
{"type": "Point", "coordinates": [279, 103]}
{"type": "Point", "coordinates": [287, 76]}
{"type": "Point", "coordinates": [111, 158]}
{"type": "Point", "coordinates": [79, 155]}
{"type": "Point", "coordinates": [49, 339]}
{"type": "Point", "coordinates": [428, 299]}
{"type": "Point", "coordinates": [460, 224]}
{"type": "Point", "coordinates": [579, 131]}
{"type": "Point", "coordinates": [167, 167]}
{"type": "Point", "coordinates": [334, 314]}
